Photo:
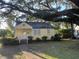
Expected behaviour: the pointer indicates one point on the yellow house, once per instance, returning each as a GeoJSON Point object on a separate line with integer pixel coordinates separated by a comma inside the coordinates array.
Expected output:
{"type": "Point", "coordinates": [35, 29]}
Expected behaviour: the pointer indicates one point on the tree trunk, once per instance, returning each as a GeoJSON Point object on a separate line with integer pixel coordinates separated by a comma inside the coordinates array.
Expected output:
{"type": "Point", "coordinates": [72, 30]}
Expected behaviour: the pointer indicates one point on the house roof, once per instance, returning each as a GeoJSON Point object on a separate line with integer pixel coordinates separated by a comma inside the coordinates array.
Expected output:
{"type": "Point", "coordinates": [37, 25]}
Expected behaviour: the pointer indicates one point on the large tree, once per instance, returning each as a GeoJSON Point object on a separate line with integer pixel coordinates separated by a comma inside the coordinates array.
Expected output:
{"type": "Point", "coordinates": [50, 10]}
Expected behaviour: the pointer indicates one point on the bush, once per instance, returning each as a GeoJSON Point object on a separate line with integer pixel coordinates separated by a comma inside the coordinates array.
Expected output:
{"type": "Point", "coordinates": [10, 42]}
{"type": "Point", "coordinates": [9, 33]}
{"type": "Point", "coordinates": [3, 33]}
{"type": "Point", "coordinates": [52, 38]}
{"type": "Point", "coordinates": [57, 37]}
{"type": "Point", "coordinates": [30, 38]}
{"type": "Point", "coordinates": [66, 33]}
{"type": "Point", "coordinates": [38, 39]}
{"type": "Point", "coordinates": [44, 38]}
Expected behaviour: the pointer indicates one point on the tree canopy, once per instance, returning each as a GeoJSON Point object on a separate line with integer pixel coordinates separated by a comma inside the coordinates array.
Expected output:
{"type": "Point", "coordinates": [50, 10]}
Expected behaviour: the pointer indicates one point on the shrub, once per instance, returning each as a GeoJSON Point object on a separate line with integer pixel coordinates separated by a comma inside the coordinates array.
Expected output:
{"type": "Point", "coordinates": [52, 38]}
{"type": "Point", "coordinates": [44, 38]}
{"type": "Point", "coordinates": [30, 38]}
{"type": "Point", "coordinates": [57, 37]}
{"type": "Point", "coordinates": [23, 41]}
{"type": "Point", "coordinates": [3, 33]}
{"type": "Point", "coordinates": [38, 39]}
{"type": "Point", "coordinates": [66, 33]}
{"type": "Point", "coordinates": [10, 42]}
{"type": "Point", "coordinates": [9, 33]}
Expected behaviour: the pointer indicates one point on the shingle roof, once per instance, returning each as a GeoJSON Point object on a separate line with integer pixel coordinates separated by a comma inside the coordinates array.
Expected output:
{"type": "Point", "coordinates": [37, 25]}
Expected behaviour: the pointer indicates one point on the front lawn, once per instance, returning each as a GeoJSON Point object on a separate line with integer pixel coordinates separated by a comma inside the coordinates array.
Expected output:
{"type": "Point", "coordinates": [57, 50]}
{"type": "Point", "coordinates": [0, 43]}
{"type": "Point", "coordinates": [46, 50]}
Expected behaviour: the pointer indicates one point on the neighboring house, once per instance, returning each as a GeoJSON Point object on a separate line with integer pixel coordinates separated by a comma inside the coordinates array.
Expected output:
{"type": "Point", "coordinates": [76, 31]}
{"type": "Point", "coordinates": [35, 29]}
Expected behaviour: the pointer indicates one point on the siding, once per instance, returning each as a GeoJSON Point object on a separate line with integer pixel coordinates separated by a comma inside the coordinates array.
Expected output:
{"type": "Point", "coordinates": [20, 32]}
{"type": "Point", "coordinates": [43, 32]}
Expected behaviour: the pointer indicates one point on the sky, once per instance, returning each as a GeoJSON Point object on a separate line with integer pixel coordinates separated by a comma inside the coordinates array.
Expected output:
{"type": "Point", "coordinates": [3, 25]}
{"type": "Point", "coordinates": [6, 0]}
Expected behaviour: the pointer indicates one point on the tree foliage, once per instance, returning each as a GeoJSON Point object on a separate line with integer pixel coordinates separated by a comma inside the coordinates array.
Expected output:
{"type": "Point", "coordinates": [3, 33]}
{"type": "Point", "coordinates": [50, 10]}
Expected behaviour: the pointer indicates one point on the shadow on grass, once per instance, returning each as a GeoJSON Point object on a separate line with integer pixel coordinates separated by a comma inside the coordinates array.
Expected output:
{"type": "Point", "coordinates": [44, 50]}
{"type": "Point", "coordinates": [8, 52]}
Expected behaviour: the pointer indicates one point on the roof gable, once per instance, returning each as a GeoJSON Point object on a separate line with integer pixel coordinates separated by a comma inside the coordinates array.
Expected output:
{"type": "Point", "coordinates": [23, 26]}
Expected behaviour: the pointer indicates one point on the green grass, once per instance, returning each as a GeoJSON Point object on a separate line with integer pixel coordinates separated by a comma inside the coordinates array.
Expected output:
{"type": "Point", "coordinates": [49, 50]}
{"type": "Point", "coordinates": [57, 50]}
{"type": "Point", "coordinates": [0, 43]}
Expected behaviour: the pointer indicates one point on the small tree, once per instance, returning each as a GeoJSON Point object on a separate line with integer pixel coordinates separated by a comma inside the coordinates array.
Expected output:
{"type": "Point", "coordinates": [66, 33]}
{"type": "Point", "coordinates": [3, 33]}
{"type": "Point", "coordinates": [9, 33]}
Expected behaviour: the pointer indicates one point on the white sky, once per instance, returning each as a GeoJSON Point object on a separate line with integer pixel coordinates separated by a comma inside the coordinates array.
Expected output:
{"type": "Point", "coordinates": [6, 1]}
{"type": "Point", "coordinates": [3, 25]}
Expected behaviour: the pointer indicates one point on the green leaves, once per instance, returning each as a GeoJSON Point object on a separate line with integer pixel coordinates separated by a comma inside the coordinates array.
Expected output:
{"type": "Point", "coordinates": [3, 32]}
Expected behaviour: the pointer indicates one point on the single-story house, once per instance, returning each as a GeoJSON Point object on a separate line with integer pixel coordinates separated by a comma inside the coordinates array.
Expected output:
{"type": "Point", "coordinates": [34, 29]}
{"type": "Point", "coordinates": [76, 32]}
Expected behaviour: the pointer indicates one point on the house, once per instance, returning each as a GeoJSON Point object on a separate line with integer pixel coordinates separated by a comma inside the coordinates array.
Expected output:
{"type": "Point", "coordinates": [35, 29]}
{"type": "Point", "coordinates": [76, 31]}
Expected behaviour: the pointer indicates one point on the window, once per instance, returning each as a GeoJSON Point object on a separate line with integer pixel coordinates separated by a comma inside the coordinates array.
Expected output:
{"type": "Point", "coordinates": [36, 31]}
{"type": "Point", "coordinates": [48, 31]}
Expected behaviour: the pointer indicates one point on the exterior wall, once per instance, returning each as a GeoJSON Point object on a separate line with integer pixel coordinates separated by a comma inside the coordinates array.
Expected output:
{"type": "Point", "coordinates": [43, 32]}
{"type": "Point", "coordinates": [51, 32]}
{"type": "Point", "coordinates": [20, 32]}
{"type": "Point", "coordinates": [35, 33]}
